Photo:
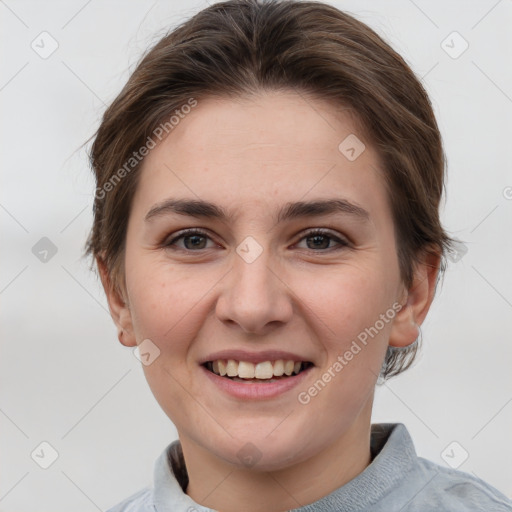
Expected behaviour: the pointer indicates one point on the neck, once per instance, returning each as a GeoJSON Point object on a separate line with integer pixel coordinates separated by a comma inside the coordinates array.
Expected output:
{"type": "Point", "coordinates": [221, 486]}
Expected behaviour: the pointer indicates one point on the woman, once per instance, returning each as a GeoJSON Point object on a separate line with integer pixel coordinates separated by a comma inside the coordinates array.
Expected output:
{"type": "Point", "coordinates": [266, 228]}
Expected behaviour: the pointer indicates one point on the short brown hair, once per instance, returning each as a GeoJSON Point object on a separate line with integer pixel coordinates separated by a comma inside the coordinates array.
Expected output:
{"type": "Point", "coordinates": [243, 47]}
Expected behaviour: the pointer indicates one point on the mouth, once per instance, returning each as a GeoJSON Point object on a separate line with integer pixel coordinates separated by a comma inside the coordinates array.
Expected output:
{"type": "Point", "coordinates": [261, 372]}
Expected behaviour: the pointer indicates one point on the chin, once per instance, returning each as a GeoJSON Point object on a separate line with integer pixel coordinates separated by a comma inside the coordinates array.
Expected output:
{"type": "Point", "coordinates": [263, 452]}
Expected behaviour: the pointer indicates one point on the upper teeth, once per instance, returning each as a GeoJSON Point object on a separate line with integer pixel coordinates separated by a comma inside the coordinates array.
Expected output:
{"type": "Point", "coordinates": [247, 370]}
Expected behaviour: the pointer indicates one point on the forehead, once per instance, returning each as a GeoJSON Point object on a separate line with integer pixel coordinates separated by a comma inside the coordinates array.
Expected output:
{"type": "Point", "coordinates": [271, 126]}
{"type": "Point", "coordinates": [273, 147]}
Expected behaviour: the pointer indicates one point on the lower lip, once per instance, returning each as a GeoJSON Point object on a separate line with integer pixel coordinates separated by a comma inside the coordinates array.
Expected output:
{"type": "Point", "coordinates": [255, 390]}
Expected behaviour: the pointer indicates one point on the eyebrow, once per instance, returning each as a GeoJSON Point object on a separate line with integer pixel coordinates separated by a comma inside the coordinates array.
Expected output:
{"type": "Point", "coordinates": [207, 210]}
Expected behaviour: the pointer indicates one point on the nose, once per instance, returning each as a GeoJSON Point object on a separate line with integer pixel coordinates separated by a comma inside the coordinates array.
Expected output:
{"type": "Point", "coordinates": [255, 297]}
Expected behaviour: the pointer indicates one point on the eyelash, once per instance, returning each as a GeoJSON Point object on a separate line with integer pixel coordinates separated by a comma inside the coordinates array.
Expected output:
{"type": "Point", "coordinates": [314, 232]}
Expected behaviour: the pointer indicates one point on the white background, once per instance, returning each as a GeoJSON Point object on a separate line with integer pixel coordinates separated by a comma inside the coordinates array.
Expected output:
{"type": "Point", "coordinates": [64, 377]}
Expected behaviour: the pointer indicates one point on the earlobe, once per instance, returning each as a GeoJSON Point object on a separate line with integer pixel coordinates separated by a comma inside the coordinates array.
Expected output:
{"type": "Point", "coordinates": [119, 309]}
{"type": "Point", "coordinates": [405, 331]}
{"type": "Point", "coordinates": [406, 325]}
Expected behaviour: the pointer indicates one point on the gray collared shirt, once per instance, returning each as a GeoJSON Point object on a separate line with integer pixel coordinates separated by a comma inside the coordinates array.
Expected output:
{"type": "Point", "coordinates": [397, 480]}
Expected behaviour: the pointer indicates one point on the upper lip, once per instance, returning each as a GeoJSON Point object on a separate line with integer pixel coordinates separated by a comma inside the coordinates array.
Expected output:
{"type": "Point", "coordinates": [253, 357]}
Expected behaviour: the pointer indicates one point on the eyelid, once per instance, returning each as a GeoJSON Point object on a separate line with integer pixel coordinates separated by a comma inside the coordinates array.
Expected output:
{"type": "Point", "coordinates": [168, 241]}
{"type": "Point", "coordinates": [323, 231]}
{"type": "Point", "coordinates": [341, 240]}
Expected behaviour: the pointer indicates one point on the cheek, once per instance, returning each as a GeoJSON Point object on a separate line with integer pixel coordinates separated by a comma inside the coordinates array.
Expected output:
{"type": "Point", "coordinates": [169, 307]}
{"type": "Point", "coordinates": [166, 300]}
{"type": "Point", "coordinates": [349, 300]}
{"type": "Point", "coordinates": [347, 311]}
{"type": "Point", "coordinates": [347, 314]}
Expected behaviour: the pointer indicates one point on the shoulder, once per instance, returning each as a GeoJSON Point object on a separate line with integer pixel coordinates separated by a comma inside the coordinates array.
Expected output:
{"type": "Point", "coordinates": [443, 488]}
{"type": "Point", "coordinates": [413, 484]}
{"type": "Point", "coordinates": [141, 501]}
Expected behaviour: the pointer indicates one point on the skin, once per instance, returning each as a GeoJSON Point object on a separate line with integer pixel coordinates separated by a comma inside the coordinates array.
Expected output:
{"type": "Point", "coordinates": [252, 156]}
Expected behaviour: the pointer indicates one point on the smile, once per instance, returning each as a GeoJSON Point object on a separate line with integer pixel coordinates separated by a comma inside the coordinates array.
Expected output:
{"type": "Point", "coordinates": [249, 372]}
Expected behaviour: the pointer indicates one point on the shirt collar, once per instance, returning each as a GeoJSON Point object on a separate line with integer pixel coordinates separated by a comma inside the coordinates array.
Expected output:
{"type": "Point", "coordinates": [392, 451]}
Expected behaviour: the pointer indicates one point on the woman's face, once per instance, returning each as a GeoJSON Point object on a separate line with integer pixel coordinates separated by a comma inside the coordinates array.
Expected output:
{"type": "Point", "coordinates": [258, 283]}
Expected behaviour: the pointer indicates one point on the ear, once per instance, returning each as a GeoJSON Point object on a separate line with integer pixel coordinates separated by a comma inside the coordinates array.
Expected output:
{"type": "Point", "coordinates": [118, 306]}
{"type": "Point", "coordinates": [417, 301]}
